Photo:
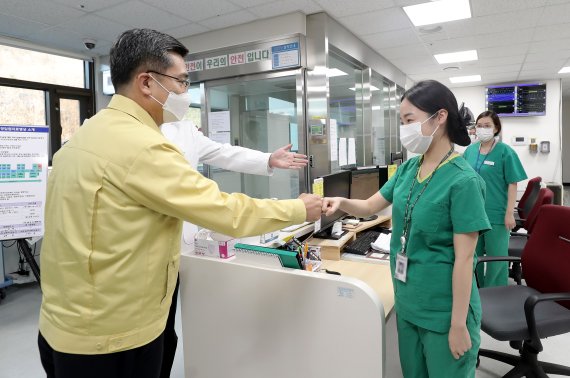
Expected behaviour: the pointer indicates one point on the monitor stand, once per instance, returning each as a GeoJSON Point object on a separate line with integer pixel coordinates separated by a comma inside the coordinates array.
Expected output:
{"type": "Point", "coordinates": [370, 218]}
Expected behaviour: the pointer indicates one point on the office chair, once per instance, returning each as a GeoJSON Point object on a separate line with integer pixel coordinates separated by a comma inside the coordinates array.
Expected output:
{"type": "Point", "coordinates": [518, 240]}
{"type": "Point", "coordinates": [523, 315]}
{"type": "Point", "coordinates": [527, 201]}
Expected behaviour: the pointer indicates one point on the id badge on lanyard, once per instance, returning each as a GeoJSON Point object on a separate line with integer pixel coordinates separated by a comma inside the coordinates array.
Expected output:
{"type": "Point", "coordinates": [401, 267]}
{"type": "Point", "coordinates": [401, 270]}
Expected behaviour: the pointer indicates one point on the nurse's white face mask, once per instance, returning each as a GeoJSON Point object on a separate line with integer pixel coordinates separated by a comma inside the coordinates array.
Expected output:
{"type": "Point", "coordinates": [485, 134]}
{"type": "Point", "coordinates": [175, 106]}
{"type": "Point", "coordinates": [412, 138]}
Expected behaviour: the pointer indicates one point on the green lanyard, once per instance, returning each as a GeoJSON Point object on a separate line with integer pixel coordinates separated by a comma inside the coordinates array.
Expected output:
{"type": "Point", "coordinates": [477, 165]}
{"type": "Point", "coordinates": [410, 208]}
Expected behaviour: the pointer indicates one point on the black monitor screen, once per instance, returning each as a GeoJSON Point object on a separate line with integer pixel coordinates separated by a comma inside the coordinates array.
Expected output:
{"type": "Point", "coordinates": [335, 185]}
{"type": "Point", "coordinates": [364, 183]}
{"type": "Point", "coordinates": [383, 171]}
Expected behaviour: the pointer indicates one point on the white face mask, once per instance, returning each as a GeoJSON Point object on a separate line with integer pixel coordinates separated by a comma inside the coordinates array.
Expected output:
{"type": "Point", "coordinates": [485, 134]}
{"type": "Point", "coordinates": [175, 106]}
{"type": "Point", "coordinates": [412, 138]}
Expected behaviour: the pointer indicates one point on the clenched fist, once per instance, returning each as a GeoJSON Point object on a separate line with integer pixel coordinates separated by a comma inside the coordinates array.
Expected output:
{"type": "Point", "coordinates": [313, 205]}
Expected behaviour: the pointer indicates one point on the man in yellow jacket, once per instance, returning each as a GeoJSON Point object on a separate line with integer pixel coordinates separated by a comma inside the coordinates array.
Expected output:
{"type": "Point", "coordinates": [116, 199]}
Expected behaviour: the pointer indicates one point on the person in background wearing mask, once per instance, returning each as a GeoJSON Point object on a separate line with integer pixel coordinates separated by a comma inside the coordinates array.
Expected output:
{"type": "Point", "coordinates": [198, 148]}
{"type": "Point", "coordinates": [116, 198]}
{"type": "Point", "coordinates": [500, 167]}
{"type": "Point", "coordinates": [437, 214]}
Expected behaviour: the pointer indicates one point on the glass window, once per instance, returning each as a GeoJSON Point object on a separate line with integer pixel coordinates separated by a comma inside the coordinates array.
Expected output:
{"type": "Point", "coordinates": [40, 67]}
{"type": "Point", "coordinates": [263, 115]}
{"type": "Point", "coordinates": [69, 112]}
{"type": "Point", "coordinates": [194, 113]}
{"type": "Point", "coordinates": [345, 105]}
{"type": "Point", "coordinates": [22, 106]}
{"type": "Point", "coordinates": [380, 125]}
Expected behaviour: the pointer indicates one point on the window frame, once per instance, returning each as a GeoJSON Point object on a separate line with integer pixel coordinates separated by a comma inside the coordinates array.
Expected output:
{"type": "Point", "coordinates": [53, 93]}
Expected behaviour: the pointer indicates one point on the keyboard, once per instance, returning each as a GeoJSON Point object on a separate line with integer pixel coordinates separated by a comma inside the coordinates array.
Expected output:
{"type": "Point", "coordinates": [361, 246]}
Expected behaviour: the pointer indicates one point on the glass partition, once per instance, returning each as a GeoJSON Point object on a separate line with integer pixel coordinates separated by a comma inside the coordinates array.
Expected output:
{"type": "Point", "coordinates": [263, 112]}
{"type": "Point", "coordinates": [379, 101]}
{"type": "Point", "coordinates": [345, 110]}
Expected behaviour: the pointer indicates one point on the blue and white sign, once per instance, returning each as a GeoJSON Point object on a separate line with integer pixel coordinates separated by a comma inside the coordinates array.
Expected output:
{"type": "Point", "coordinates": [284, 56]}
{"type": "Point", "coordinates": [23, 177]}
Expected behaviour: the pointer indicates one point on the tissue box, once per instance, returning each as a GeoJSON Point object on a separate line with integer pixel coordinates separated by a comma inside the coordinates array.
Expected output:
{"type": "Point", "coordinates": [214, 245]}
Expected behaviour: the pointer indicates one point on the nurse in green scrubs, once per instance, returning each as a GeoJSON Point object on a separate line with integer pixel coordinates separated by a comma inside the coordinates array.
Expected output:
{"type": "Point", "coordinates": [500, 167]}
{"type": "Point", "coordinates": [438, 212]}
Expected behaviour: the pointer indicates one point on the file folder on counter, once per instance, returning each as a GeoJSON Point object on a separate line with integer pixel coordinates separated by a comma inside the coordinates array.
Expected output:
{"type": "Point", "coordinates": [264, 256]}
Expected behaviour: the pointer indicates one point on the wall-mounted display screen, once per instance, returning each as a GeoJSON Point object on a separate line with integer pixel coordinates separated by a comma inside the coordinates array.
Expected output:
{"type": "Point", "coordinates": [516, 100]}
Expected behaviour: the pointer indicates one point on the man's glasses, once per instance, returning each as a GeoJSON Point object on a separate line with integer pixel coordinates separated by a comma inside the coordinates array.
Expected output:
{"type": "Point", "coordinates": [183, 82]}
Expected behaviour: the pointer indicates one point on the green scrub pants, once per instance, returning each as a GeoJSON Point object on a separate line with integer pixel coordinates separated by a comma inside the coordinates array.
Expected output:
{"type": "Point", "coordinates": [425, 354]}
{"type": "Point", "coordinates": [494, 242]}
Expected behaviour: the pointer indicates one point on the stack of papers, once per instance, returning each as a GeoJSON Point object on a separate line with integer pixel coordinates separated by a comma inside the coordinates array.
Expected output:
{"type": "Point", "coordinates": [382, 243]}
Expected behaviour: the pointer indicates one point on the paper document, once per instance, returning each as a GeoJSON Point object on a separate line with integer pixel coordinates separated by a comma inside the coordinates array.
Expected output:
{"type": "Point", "coordinates": [351, 151]}
{"type": "Point", "coordinates": [382, 243]}
{"type": "Point", "coordinates": [333, 135]}
{"type": "Point", "coordinates": [342, 157]}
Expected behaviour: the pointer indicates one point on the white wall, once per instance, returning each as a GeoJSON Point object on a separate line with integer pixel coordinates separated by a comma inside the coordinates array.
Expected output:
{"type": "Point", "coordinates": [101, 100]}
{"type": "Point", "coordinates": [548, 127]}
{"type": "Point", "coordinates": [566, 139]}
{"type": "Point", "coordinates": [253, 31]}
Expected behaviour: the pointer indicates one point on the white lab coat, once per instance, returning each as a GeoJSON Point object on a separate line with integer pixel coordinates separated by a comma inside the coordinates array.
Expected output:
{"type": "Point", "coordinates": [198, 148]}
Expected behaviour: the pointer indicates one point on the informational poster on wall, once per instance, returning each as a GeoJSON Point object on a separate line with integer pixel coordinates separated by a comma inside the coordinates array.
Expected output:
{"type": "Point", "coordinates": [23, 179]}
{"type": "Point", "coordinates": [219, 126]}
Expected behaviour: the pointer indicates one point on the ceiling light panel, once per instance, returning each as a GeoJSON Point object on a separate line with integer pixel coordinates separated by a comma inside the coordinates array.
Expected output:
{"type": "Point", "coordinates": [437, 12]}
{"type": "Point", "coordinates": [465, 79]}
{"type": "Point", "coordinates": [455, 57]}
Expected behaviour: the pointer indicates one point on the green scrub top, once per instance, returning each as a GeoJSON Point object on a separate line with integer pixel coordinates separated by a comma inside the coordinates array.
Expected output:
{"type": "Point", "coordinates": [453, 203]}
{"type": "Point", "coordinates": [498, 168]}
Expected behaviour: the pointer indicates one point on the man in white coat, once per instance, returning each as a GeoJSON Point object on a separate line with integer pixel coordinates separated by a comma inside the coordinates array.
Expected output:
{"type": "Point", "coordinates": [196, 148]}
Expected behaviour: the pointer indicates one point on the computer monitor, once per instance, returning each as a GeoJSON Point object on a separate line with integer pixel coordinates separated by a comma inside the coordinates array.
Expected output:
{"type": "Point", "coordinates": [334, 185]}
{"type": "Point", "coordinates": [364, 183]}
{"type": "Point", "coordinates": [383, 176]}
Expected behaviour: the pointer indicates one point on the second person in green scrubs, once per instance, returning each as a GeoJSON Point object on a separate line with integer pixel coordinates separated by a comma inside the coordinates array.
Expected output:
{"type": "Point", "coordinates": [500, 167]}
{"type": "Point", "coordinates": [438, 212]}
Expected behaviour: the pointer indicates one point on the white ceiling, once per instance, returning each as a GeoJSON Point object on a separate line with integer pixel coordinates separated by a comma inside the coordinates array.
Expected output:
{"type": "Point", "coordinates": [517, 40]}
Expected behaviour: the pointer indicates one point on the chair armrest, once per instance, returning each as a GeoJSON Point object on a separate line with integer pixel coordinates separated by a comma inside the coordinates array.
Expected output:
{"type": "Point", "coordinates": [486, 259]}
{"type": "Point", "coordinates": [520, 234]}
{"type": "Point", "coordinates": [529, 306]}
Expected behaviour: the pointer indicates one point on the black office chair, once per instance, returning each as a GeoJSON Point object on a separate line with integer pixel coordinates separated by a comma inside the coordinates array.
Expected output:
{"type": "Point", "coordinates": [527, 201]}
{"type": "Point", "coordinates": [518, 240]}
{"type": "Point", "coordinates": [523, 315]}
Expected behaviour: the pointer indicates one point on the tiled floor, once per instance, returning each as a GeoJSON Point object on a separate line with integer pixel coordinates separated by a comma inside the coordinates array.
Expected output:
{"type": "Point", "coordinates": [19, 356]}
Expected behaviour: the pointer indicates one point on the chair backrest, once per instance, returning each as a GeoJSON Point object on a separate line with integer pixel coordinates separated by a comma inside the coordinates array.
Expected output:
{"type": "Point", "coordinates": [546, 256]}
{"type": "Point", "coordinates": [529, 196]}
{"type": "Point", "coordinates": [545, 197]}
